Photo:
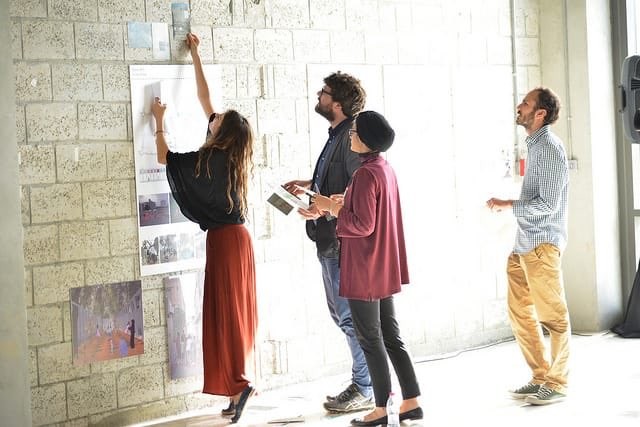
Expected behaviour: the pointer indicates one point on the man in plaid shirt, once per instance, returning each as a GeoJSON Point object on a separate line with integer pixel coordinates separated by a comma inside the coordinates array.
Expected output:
{"type": "Point", "coordinates": [536, 290]}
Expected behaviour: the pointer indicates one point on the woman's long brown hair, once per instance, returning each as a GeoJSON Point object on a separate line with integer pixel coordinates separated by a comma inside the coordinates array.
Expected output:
{"type": "Point", "coordinates": [234, 136]}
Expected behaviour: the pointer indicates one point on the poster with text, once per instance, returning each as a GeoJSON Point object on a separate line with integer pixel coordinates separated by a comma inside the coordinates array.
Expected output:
{"type": "Point", "coordinates": [183, 306]}
{"type": "Point", "coordinates": [167, 240]}
{"type": "Point", "coordinates": [106, 322]}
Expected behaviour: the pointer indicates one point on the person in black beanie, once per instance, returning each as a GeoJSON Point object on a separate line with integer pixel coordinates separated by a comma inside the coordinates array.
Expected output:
{"type": "Point", "coordinates": [340, 99]}
{"type": "Point", "coordinates": [374, 264]}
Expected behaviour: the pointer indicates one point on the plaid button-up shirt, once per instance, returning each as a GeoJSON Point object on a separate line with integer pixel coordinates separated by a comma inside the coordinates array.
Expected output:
{"type": "Point", "coordinates": [541, 210]}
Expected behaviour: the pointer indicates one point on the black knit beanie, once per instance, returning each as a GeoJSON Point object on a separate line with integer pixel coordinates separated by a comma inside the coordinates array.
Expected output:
{"type": "Point", "coordinates": [374, 131]}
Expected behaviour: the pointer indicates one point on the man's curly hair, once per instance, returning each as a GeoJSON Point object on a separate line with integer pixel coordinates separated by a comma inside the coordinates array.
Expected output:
{"type": "Point", "coordinates": [347, 91]}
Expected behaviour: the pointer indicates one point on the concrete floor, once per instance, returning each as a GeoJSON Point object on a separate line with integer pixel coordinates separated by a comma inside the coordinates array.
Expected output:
{"type": "Point", "coordinates": [470, 388]}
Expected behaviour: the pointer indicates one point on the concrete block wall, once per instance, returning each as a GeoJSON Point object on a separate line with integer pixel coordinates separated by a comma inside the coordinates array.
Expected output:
{"type": "Point", "coordinates": [440, 70]}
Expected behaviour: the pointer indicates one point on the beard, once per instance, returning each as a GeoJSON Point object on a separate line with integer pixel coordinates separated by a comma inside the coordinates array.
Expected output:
{"type": "Point", "coordinates": [525, 120]}
{"type": "Point", "coordinates": [325, 112]}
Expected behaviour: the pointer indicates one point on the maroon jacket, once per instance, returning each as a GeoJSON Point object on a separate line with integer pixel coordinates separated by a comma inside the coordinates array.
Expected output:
{"type": "Point", "coordinates": [373, 258]}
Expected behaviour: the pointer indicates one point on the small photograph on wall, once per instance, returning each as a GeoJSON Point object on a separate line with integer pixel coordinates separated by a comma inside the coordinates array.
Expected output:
{"type": "Point", "coordinates": [176, 213]}
{"type": "Point", "coordinates": [153, 209]}
{"type": "Point", "coordinates": [106, 322]}
{"type": "Point", "coordinates": [183, 304]}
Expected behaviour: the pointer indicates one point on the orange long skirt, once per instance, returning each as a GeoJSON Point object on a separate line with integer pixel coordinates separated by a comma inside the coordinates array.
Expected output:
{"type": "Point", "coordinates": [229, 316]}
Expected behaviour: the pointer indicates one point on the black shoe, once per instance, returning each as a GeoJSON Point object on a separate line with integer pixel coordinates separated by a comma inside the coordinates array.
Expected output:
{"type": "Point", "coordinates": [229, 410]}
{"type": "Point", "coordinates": [244, 396]}
{"type": "Point", "coordinates": [361, 422]}
{"type": "Point", "coordinates": [414, 414]}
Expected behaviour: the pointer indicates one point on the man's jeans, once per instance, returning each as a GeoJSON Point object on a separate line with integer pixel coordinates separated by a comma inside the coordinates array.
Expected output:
{"type": "Point", "coordinates": [341, 315]}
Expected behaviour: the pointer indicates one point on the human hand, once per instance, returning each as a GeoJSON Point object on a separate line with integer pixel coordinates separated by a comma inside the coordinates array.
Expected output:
{"type": "Point", "coordinates": [296, 187]}
{"type": "Point", "coordinates": [322, 203]}
{"type": "Point", "coordinates": [157, 110]}
{"type": "Point", "coordinates": [338, 198]}
{"type": "Point", "coordinates": [311, 213]}
{"type": "Point", "coordinates": [193, 42]}
{"type": "Point", "coordinates": [499, 205]}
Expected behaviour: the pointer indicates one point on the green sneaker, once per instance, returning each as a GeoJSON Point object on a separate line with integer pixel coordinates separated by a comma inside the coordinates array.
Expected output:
{"type": "Point", "coordinates": [545, 396]}
{"type": "Point", "coordinates": [525, 391]}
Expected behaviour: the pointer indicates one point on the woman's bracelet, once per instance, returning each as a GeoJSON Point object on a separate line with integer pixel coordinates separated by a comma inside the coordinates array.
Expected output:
{"type": "Point", "coordinates": [159, 131]}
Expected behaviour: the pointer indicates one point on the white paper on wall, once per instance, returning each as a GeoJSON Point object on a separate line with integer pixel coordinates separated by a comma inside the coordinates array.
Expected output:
{"type": "Point", "coordinates": [167, 240]}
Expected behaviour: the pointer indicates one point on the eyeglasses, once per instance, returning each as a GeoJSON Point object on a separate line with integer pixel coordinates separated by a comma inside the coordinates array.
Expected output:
{"type": "Point", "coordinates": [323, 90]}
{"type": "Point", "coordinates": [352, 131]}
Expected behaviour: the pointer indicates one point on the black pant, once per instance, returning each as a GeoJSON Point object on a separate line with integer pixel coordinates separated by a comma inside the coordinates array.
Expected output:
{"type": "Point", "coordinates": [378, 333]}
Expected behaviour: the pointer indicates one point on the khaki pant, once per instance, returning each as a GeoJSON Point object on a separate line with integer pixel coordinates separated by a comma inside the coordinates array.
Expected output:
{"type": "Point", "coordinates": [536, 297]}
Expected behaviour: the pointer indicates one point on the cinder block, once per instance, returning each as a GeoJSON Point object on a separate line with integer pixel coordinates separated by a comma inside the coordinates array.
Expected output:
{"type": "Point", "coordinates": [311, 46]}
{"type": "Point", "coordinates": [92, 395]}
{"type": "Point", "coordinates": [66, 321]}
{"type": "Point", "coordinates": [41, 244]}
{"type": "Point", "coordinates": [328, 15]}
{"type": "Point", "coordinates": [287, 14]}
{"type": "Point", "coordinates": [33, 366]}
{"type": "Point", "coordinates": [55, 364]}
{"type": "Point", "coordinates": [52, 282]}
{"type": "Point", "coordinates": [84, 162]}
{"type": "Point", "coordinates": [276, 116]}
{"type": "Point", "coordinates": [58, 202]}
{"type": "Point", "coordinates": [527, 52]}
{"type": "Point", "coordinates": [77, 82]}
{"type": "Point", "coordinates": [121, 11]}
{"type": "Point", "coordinates": [213, 13]}
{"type": "Point", "coordinates": [411, 48]}
{"type": "Point", "coordinates": [28, 8]}
{"type": "Point", "coordinates": [290, 81]}
{"type": "Point", "coordinates": [431, 17]}
{"type": "Point", "coordinates": [102, 121]}
{"type": "Point", "coordinates": [85, 11]}
{"type": "Point", "coordinates": [387, 17]}
{"type": "Point", "coordinates": [106, 199]}
{"type": "Point", "coordinates": [48, 404]}
{"type": "Point", "coordinates": [152, 315]}
{"type": "Point", "coordinates": [115, 82]}
{"type": "Point", "coordinates": [120, 163]}
{"type": "Point", "coordinates": [28, 287]}
{"type": "Point", "coordinates": [273, 46]}
{"type": "Point", "coordinates": [123, 236]}
{"type": "Point", "coordinates": [155, 345]}
{"type": "Point", "coordinates": [102, 42]}
{"type": "Point", "coordinates": [47, 40]}
{"type": "Point", "coordinates": [84, 240]}
{"type": "Point", "coordinates": [109, 270]}
{"type": "Point", "coordinates": [21, 132]}
{"type": "Point", "coordinates": [51, 122]}
{"type": "Point", "coordinates": [232, 45]}
{"type": "Point", "coordinates": [16, 40]}
{"type": "Point", "coordinates": [347, 53]}
{"type": "Point", "coordinates": [25, 208]}
{"type": "Point", "coordinates": [381, 48]}
{"type": "Point", "coordinates": [140, 385]}
{"type": "Point", "coordinates": [33, 81]}
{"type": "Point", "coordinates": [158, 11]}
{"type": "Point", "coordinates": [115, 365]}
{"type": "Point", "coordinates": [37, 164]}
{"type": "Point", "coordinates": [362, 14]}
{"type": "Point", "coordinates": [404, 16]}
{"type": "Point", "coordinates": [44, 325]}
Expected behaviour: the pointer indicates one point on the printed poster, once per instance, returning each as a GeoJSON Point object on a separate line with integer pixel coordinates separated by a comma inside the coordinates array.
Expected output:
{"type": "Point", "coordinates": [167, 240]}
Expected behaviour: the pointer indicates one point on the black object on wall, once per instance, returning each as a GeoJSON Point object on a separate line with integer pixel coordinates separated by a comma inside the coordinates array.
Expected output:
{"type": "Point", "coordinates": [630, 96]}
{"type": "Point", "coordinates": [630, 327]}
